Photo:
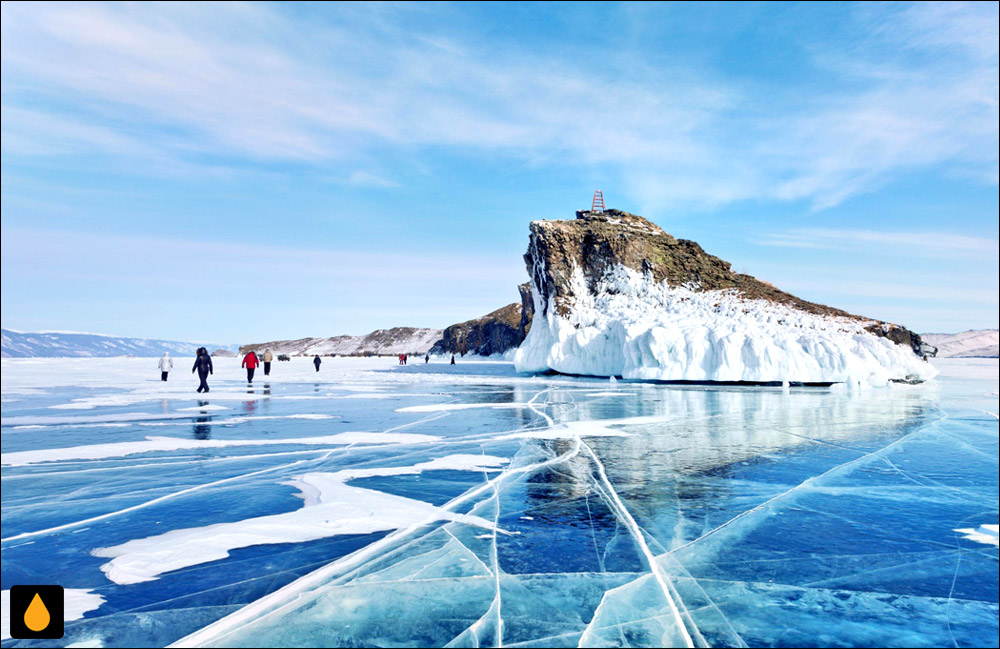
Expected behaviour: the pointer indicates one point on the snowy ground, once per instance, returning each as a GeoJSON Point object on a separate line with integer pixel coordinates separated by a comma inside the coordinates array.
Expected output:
{"type": "Point", "coordinates": [372, 504]}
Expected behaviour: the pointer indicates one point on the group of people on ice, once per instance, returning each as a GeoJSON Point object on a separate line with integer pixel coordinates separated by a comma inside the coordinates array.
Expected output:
{"type": "Point", "coordinates": [251, 362]}
{"type": "Point", "coordinates": [405, 357]}
{"type": "Point", "coordinates": [203, 365]}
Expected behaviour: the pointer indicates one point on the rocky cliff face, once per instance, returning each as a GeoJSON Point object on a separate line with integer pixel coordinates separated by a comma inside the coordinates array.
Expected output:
{"type": "Point", "coordinates": [615, 294]}
{"type": "Point", "coordinates": [493, 333]}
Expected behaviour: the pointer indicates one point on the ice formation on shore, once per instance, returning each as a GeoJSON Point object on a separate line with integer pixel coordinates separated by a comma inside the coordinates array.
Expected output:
{"type": "Point", "coordinates": [632, 326]}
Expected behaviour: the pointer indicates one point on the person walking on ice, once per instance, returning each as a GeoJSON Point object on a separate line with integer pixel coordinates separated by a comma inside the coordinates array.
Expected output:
{"type": "Point", "coordinates": [250, 361]}
{"type": "Point", "coordinates": [267, 358]}
{"type": "Point", "coordinates": [203, 365]}
{"type": "Point", "coordinates": [166, 364]}
{"type": "Point", "coordinates": [317, 361]}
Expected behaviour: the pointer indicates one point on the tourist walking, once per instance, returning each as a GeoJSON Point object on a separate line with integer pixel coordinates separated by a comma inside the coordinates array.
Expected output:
{"type": "Point", "coordinates": [267, 358]}
{"type": "Point", "coordinates": [203, 365]}
{"type": "Point", "coordinates": [166, 364]}
{"type": "Point", "coordinates": [251, 362]}
{"type": "Point", "coordinates": [316, 361]}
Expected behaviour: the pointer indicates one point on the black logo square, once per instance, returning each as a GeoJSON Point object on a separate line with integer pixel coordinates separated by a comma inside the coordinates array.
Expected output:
{"type": "Point", "coordinates": [36, 612]}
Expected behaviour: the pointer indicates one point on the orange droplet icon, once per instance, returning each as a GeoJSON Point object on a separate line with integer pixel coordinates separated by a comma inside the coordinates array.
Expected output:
{"type": "Point", "coordinates": [37, 617]}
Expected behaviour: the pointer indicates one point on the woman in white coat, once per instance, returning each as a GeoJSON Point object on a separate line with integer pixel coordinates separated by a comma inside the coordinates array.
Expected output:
{"type": "Point", "coordinates": [166, 364]}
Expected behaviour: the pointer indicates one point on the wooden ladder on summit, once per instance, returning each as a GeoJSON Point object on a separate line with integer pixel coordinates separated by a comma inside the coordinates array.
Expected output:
{"type": "Point", "coordinates": [598, 205]}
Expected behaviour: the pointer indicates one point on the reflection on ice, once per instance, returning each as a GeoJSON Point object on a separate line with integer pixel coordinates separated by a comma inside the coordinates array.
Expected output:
{"type": "Point", "coordinates": [490, 508]}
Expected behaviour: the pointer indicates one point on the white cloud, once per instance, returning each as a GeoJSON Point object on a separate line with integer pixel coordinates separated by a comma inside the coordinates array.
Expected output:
{"type": "Point", "coordinates": [201, 82]}
{"type": "Point", "coordinates": [914, 244]}
{"type": "Point", "coordinates": [368, 179]}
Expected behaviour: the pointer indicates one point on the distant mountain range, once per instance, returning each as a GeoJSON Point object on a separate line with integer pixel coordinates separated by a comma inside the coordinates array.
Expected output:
{"type": "Point", "coordinates": [410, 340]}
{"type": "Point", "coordinates": [981, 343]}
{"type": "Point", "coordinates": [16, 344]}
{"type": "Point", "coordinates": [399, 340]}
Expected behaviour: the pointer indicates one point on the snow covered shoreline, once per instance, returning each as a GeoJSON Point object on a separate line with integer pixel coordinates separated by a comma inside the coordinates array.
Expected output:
{"type": "Point", "coordinates": [633, 327]}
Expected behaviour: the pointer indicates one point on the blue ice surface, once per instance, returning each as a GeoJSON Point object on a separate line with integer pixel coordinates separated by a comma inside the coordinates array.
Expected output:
{"type": "Point", "coordinates": [797, 517]}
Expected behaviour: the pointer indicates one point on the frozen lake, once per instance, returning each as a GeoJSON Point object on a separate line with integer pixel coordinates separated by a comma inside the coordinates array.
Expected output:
{"type": "Point", "coordinates": [369, 504]}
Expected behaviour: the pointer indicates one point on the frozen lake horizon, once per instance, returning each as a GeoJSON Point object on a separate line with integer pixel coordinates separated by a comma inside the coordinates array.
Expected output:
{"type": "Point", "coordinates": [469, 505]}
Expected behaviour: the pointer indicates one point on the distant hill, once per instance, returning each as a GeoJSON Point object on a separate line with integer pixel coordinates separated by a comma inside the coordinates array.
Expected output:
{"type": "Point", "coordinates": [16, 344]}
{"type": "Point", "coordinates": [399, 340]}
{"type": "Point", "coordinates": [980, 343]}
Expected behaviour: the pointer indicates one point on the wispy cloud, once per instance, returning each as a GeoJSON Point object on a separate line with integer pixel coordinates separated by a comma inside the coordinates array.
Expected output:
{"type": "Point", "coordinates": [368, 179]}
{"type": "Point", "coordinates": [915, 244]}
{"type": "Point", "coordinates": [204, 82]}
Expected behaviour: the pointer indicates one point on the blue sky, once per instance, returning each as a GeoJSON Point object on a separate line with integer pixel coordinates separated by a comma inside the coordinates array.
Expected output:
{"type": "Point", "coordinates": [241, 172]}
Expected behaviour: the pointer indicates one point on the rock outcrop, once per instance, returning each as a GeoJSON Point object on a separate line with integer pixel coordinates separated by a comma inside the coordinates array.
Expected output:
{"type": "Point", "coordinates": [491, 334]}
{"type": "Point", "coordinates": [616, 295]}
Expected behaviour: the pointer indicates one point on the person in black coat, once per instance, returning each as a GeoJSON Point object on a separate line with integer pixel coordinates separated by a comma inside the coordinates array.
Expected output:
{"type": "Point", "coordinates": [317, 361]}
{"type": "Point", "coordinates": [203, 365]}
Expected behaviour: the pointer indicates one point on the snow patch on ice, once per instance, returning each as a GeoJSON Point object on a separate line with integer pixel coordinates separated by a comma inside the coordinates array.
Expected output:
{"type": "Point", "coordinates": [438, 407]}
{"type": "Point", "coordinates": [139, 396]}
{"type": "Point", "coordinates": [331, 507]}
{"type": "Point", "coordinates": [634, 327]}
{"type": "Point", "coordinates": [457, 462]}
{"type": "Point", "coordinates": [205, 408]}
{"type": "Point", "coordinates": [989, 534]}
{"type": "Point", "coordinates": [45, 420]}
{"type": "Point", "coordinates": [151, 444]}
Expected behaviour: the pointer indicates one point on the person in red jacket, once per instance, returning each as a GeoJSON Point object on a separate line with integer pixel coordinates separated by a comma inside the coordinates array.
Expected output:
{"type": "Point", "coordinates": [250, 361]}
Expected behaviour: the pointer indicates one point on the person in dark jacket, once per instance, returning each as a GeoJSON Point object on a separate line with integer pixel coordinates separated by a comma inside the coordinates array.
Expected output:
{"type": "Point", "coordinates": [203, 365]}
{"type": "Point", "coordinates": [317, 361]}
{"type": "Point", "coordinates": [452, 359]}
{"type": "Point", "coordinates": [427, 358]}
{"type": "Point", "coordinates": [250, 361]}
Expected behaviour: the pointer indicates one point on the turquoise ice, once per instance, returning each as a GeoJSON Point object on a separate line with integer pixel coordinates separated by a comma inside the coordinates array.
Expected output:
{"type": "Point", "coordinates": [471, 506]}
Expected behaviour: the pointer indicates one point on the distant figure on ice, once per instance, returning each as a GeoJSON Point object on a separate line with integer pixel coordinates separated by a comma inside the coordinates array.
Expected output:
{"type": "Point", "coordinates": [166, 364]}
{"type": "Point", "coordinates": [267, 358]}
{"type": "Point", "coordinates": [316, 361]}
{"type": "Point", "coordinates": [452, 359]}
{"type": "Point", "coordinates": [402, 359]}
{"type": "Point", "coordinates": [203, 365]}
{"type": "Point", "coordinates": [250, 361]}
{"type": "Point", "coordinates": [427, 358]}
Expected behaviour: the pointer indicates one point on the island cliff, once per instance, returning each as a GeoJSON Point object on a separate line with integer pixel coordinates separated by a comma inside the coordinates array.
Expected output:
{"type": "Point", "coordinates": [616, 295]}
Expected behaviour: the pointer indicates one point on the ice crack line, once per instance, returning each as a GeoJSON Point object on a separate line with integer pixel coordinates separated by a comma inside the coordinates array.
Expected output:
{"type": "Point", "coordinates": [288, 595]}
{"type": "Point", "coordinates": [154, 501]}
{"type": "Point", "coordinates": [805, 483]}
{"type": "Point", "coordinates": [633, 527]}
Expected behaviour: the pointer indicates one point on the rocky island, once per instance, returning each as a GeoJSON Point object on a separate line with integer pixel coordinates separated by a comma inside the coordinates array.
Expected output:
{"type": "Point", "coordinates": [615, 295]}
